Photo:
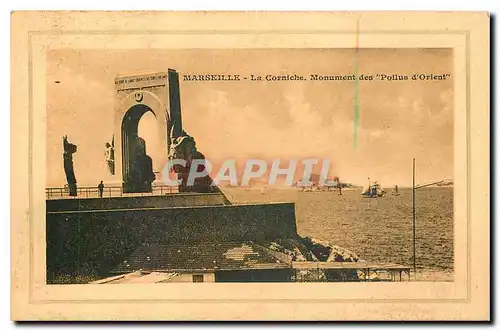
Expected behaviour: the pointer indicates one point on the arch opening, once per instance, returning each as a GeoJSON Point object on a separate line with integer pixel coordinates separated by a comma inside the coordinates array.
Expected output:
{"type": "Point", "coordinates": [137, 165]}
{"type": "Point", "coordinates": [150, 131]}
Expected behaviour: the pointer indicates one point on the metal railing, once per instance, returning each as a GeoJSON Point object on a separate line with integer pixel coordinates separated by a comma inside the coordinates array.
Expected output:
{"type": "Point", "coordinates": [108, 192]}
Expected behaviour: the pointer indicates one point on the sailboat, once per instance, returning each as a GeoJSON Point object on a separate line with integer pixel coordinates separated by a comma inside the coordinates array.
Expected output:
{"type": "Point", "coordinates": [373, 190]}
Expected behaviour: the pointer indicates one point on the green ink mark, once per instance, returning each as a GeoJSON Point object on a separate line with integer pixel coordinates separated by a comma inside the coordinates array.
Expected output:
{"type": "Point", "coordinates": [356, 87]}
{"type": "Point", "coordinates": [356, 101]}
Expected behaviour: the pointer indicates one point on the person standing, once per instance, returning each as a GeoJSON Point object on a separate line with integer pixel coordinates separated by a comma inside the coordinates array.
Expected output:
{"type": "Point", "coordinates": [100, 187]}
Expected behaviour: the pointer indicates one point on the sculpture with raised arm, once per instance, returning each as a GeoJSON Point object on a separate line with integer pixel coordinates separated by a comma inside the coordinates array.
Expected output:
{"type": "Point", "coordinates": [183, 147]}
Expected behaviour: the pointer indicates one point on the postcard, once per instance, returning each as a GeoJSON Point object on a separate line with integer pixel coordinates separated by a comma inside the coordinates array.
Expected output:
{"type": "Point", "coordinates": [250, 166]}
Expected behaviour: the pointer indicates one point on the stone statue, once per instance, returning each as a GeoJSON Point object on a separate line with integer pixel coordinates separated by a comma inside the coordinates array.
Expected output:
{"type": "Point", "coordinates": [141, 174]}
{"type": "Point", "coordinates": [69, 150]}
{"type": "Point", "coordinates": [110, 156]}
{"type": "Point", "coordinates": [183, 147]}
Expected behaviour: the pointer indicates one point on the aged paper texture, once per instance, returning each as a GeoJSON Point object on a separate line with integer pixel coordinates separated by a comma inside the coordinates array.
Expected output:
{"type": "Point", "coordinates": [250, 166]}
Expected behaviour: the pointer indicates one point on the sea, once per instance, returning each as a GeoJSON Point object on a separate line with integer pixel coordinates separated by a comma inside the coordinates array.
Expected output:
{"type": "Point", "coordinates": [376, 229]}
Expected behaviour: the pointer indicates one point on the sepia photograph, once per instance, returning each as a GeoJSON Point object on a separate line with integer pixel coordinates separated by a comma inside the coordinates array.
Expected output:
{"type": "Point", "coordinates": [305, 165]}
{"type": "Point", "coordinates": [169, 170]}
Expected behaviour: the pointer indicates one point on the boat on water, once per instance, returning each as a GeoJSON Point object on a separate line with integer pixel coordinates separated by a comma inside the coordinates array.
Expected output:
{"type": "Point", "coordinates": [373, 190]}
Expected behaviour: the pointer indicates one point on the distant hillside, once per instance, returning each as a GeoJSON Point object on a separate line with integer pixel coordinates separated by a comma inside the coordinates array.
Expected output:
{"type": "Point", "coordinates": [349, 185]}
{"type": "Point", "coordinates": [446, 183]}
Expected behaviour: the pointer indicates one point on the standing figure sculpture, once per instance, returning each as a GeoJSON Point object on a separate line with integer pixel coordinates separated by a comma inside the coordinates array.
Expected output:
{"type": "Point", "coordinates": [69, 150]}
{"type": "Point", "coordinates": [110, 156]}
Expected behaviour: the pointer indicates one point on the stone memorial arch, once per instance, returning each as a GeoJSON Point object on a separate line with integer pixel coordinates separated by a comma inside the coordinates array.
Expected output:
{"type": "Point", "coordinates": [137, 95]}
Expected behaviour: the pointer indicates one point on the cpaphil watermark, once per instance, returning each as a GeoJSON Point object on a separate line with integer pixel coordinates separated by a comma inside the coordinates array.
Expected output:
{"type": "Point", "coordinates": [254, 169]}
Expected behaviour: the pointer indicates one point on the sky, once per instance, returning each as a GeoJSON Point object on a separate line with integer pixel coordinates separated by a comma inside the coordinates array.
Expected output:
{"type": "Point", "coordinates": [398, 120]}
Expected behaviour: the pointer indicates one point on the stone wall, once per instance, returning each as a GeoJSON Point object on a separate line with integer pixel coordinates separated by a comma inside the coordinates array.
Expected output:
{"type": "Point", "coordinates": [163, 201]}
{"type": "Point", "coordinates": [87, 243]}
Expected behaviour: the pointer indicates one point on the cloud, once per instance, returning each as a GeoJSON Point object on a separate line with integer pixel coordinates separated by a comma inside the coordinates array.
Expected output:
{"type": "Point", "coordinates": [397, 121]}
